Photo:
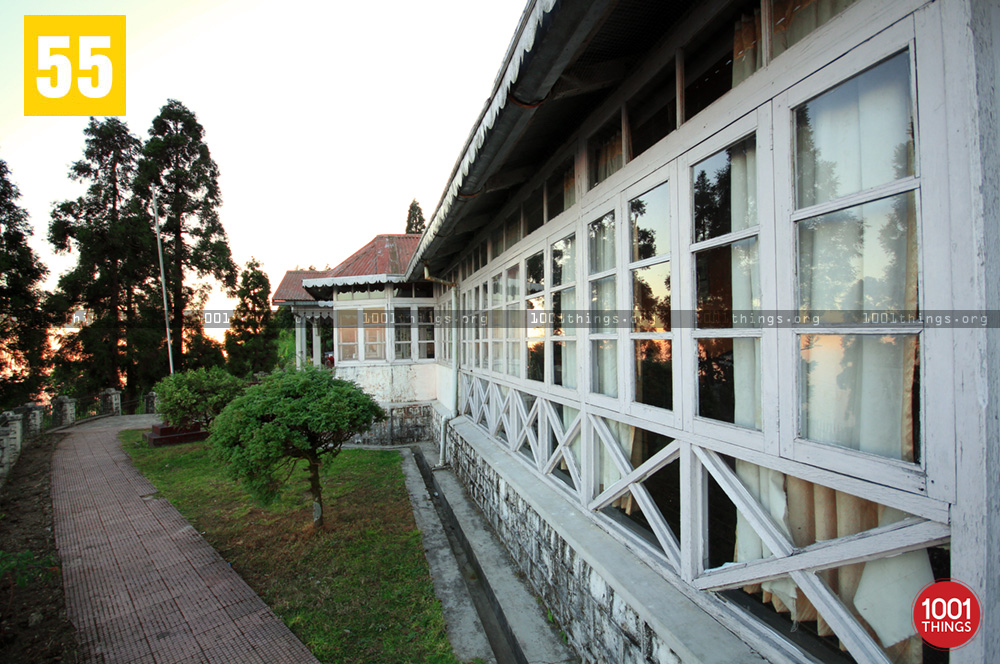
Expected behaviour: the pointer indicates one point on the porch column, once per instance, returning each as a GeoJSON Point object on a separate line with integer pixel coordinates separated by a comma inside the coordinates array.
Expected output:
{"type": "Point", "coordinates": [317, 350]}
{"type": "Point", "coordinates": [300, 340]}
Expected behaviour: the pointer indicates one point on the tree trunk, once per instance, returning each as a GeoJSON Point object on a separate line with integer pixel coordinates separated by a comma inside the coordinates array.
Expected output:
{"type": "Point", "coordinates": [316, 490]}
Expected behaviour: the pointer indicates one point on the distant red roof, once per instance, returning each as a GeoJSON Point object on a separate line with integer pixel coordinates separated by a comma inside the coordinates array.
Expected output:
{"type": "Point", "coordinates": [386, 254]}
{"type": "Point", "coordinates": [290, 289]}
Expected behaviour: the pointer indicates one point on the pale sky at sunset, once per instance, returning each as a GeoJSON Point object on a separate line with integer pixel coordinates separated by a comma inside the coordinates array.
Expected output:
{"type": "Point", "coordinates": [325, 118]}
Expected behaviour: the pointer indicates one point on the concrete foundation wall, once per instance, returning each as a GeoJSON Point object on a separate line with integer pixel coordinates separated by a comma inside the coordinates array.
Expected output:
{"type": "Point", "coordinates": [394, 383]}
{"type": "Point", "coordinates": [407, 423]}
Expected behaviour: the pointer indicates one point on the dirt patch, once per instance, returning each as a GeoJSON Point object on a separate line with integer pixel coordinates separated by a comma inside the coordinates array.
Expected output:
{"type": "Point", "coordinates": [33, 622]}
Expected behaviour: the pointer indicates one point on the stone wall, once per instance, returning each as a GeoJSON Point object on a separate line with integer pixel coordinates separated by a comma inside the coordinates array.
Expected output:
{"type": "Point", "coordinates": [599, 624]}
{"type": "Point", "coordinates": [406, 424]}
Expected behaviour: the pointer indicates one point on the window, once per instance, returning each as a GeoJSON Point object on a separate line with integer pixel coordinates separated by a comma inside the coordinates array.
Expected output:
{"type": "Point", "coordinates": [425, 333]}
{"type": "Point", "coordinates": [535, 323]}
{"type": "Point", "coordinates": [533, 209]}
{"type": "Point", "coordinates": [727, 285]}
{"type": "Point", "coordinates": [374, 329]}
{"type": "Point", "coordinates": [652, 112]}
{"type": "Point", "coordinates": [794, 19]}
{"type": "Point", "coordinates": [347, 334]}
{"type": "Point", "coordinates": [560, 190]}
{"type": "Point", "coordinates": [604, 151]}
{"type": "Point", "coordinates": [859, 388]}
{"type": "Point", "coordinates": [512, 326]}
{"type": "Point", "coordinates": [603, 304]}
{"type": "Point", "coordinates": [649, 221]}
{"type": "Point", "coordinates": [402, 320]}
{"type": "Point", "coordinates": [564, 304]}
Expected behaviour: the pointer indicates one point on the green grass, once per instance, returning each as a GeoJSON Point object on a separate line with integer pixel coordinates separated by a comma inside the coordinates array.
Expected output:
{"type": "Point", "coordinates": [358, 590]}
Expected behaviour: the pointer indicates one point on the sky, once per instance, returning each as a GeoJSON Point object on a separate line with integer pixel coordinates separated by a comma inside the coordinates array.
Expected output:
{"type": "Point", "coordinates": [325, 118]}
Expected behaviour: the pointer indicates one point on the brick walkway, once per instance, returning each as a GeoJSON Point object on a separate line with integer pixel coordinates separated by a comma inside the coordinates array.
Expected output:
{"type": "Point", "coordinates": [141, 585]}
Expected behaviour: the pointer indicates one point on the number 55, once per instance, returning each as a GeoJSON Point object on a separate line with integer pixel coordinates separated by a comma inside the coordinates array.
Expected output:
{"type": "Point", "coordinates": [64, 69]}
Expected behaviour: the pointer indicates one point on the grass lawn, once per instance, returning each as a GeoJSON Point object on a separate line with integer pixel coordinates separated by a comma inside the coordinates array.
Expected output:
{"type": "Point", "coordinates": [357, 591]}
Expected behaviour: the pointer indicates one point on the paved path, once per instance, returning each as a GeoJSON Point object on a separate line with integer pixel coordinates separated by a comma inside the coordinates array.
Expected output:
{"type": "Point", "coordinates": [141, 585]}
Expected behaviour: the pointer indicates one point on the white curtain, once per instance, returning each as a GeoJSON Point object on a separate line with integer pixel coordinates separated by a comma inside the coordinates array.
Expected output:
{"type": "Point", "coordinates": [794, 19]}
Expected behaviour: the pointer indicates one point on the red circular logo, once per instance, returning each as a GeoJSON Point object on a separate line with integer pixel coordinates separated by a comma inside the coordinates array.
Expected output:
{"type": "Point", "coordinates": [946, 614]}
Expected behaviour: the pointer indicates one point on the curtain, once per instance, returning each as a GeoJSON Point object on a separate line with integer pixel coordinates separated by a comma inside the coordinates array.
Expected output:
{"type": "Point", "coordinates": [569, 188]}
{"type": "Point", "coordinates": [745, 282]}
{"type": "Point", "coordinates": [748, 56]}
{"type": "Point", "coordinates": [794, 19]}
{"type": "Point", "coordinates": [879, 593]}
{"type": "Point", "coordinates": [608, 156]}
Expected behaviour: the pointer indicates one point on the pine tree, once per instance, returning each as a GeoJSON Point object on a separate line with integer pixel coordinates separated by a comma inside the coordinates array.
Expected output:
{"type": "Point", "coordinates": [23, 324]}
{"type": "Point", "coordinates": [415, 218]}
{"type": "Point", "coordinates": [177, 162]}
{"type": "Point", "coordinates": [252, 338]}
{"type": "Point", "coordinates": [114, 261]}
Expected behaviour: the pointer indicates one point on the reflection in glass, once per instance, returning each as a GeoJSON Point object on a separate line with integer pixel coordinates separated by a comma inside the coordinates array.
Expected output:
{"type": "Point", "coordinates": [651, 298]}
{"type": "Point", "coordinates": [862, 392]}
{"type": "Point", "coordinates": [496, 290]}
{"type": "Point", "coordinates": [402, 319]}
{"type": "Point", "coordinates": [604, 367]}
{"type": "Point", "coordinates": [861, 258]}
{"type": "Point", "coordinates": [564, 261]}
{"type": "Point", "coordinates": [496, 355]}
{"type": "Point", "coordinates": [535, 341]}
{"type": "Point", "coordinates": [857, 135]}
{"type": "Point", "coordinates": [725, 191]}
{"type": "Point", "coordinates": [650, 218]}
{"type": "Point", "coordinates": [728, 284]}
{"type": "Point", "coordinates": [602, 305]}
{"type": "Point", "coordinates": [654, 384]}
{"type": "Point", "coordinates": [729, 381]}
{"type": "Point", "coordinates": [534, 273]}
{"type": "Point", "coordinates": [563, 301]}
{"type": "Point", "coordinates": [601, 243]}
{"type": "Point", "coordinates": [564, 364]}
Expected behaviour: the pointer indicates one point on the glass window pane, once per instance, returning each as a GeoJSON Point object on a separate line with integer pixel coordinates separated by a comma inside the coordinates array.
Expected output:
{"type": "Point", "coordinates": [602, 305]}
{"type": "Point", "coordinates": [857, 135]}
{"type": "Point", "coordinates": [652, 112]}
{"type": "Point", "coordinates": [604, 367]}
{"type": "Point", "coordinates": [604, 151]}
{"type": "Point", "coordinates": [564, 363]}
{"type": "Point", "coordinates": [423, 289]}
{"type": "Point", "coordinates": [654, 384]}
{"type": "Point", "coordinates": [601, 243]}
{"type": "Point", "coordinates": [347, 333]}
{"type": "Point", "coordinates": [534, 273]}
{"type": "Point", "coordinates": [650, 218]}
{"type": "Point", "coordinates": [651, 298]}
{"type": "Point", "coordinates": [533, 211]}
{"type": "Point", "coordinates": [496, 290]}
{"type": "Point", "coordinates": [729, 380]}
{"type": "Point", "coordinates": [514, 358]}
{"type": "Point", "coordinates": [512, 232]}
{"type": "Point", "coordinates": [496, 353]}
{"type": "Point", "coordinates": [496, 240]}
{"type": "Point", "coordinates": [402, 320]}
{"type": "Point", "coordinates": [564, 304]}
{"type": "Point", "coordinates": [728, 285]}
{"type": "Point", "coordinates": [861, 258]}
{"type": "Point", "coordinates": [861, 392]}
{"type": "Point", "coordinates": [725, 191]}
{"type": "Point", "coordinates": [561, 189]}
{"type": "Point", "coordinates": [536, 360]}
{"type": "Point", "coordinates": [564, 261]}
{"type": "Point", "coordinates": [513, 284]}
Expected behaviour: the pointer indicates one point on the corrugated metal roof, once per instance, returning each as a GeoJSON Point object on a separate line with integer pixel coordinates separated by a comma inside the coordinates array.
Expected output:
{"type": "Point", "coordinates": [386, 254]}
{"type": "Point", "coordinates": [290, 289]}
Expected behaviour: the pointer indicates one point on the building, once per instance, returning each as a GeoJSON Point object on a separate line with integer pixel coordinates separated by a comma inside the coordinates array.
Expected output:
{"type": "Point", "coordinates": [749, 406]}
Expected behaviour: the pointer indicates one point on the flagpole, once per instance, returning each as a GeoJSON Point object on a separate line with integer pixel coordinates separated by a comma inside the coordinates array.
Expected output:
{"type": "Point", "coordinates": [163, 284]}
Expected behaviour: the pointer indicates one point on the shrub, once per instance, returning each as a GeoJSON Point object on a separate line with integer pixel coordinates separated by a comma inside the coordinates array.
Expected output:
{"type": "Point", "coordinates": [291, 416]}
{"type": "Point", "coordinates": [197, 396]}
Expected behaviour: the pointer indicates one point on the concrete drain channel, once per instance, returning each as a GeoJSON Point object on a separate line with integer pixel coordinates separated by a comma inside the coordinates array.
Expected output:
{"type": "Point", "coordinates": [501, 638]}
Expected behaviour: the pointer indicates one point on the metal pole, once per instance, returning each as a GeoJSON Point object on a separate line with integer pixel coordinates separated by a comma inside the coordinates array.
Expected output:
{"type": "Point", "coordinates": [163, 284]}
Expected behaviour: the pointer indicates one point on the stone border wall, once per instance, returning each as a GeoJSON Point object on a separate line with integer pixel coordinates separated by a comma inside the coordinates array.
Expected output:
{"type": "Point", "coordinates": [406, 424]}
{"type": "Point", "coordinates": [599, 625]}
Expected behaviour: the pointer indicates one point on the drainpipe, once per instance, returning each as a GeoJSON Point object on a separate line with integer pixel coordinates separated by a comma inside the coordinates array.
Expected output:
{"type": "Point", "coordinates": [454, 357]}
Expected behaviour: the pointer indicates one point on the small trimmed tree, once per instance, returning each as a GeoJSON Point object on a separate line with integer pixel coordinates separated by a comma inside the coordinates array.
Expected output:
{"type": "Point", "coordinates": [291, 416]}
{"type": "Point", "coordinates": [196, 396]}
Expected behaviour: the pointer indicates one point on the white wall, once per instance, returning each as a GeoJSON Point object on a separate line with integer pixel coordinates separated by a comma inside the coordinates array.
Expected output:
{"type": "Point", "coordinates": [398, 383]}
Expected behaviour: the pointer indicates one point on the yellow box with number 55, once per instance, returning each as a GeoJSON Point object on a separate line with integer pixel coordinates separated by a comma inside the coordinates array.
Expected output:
{"type": "Point", "coordinates": [74, 65]}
